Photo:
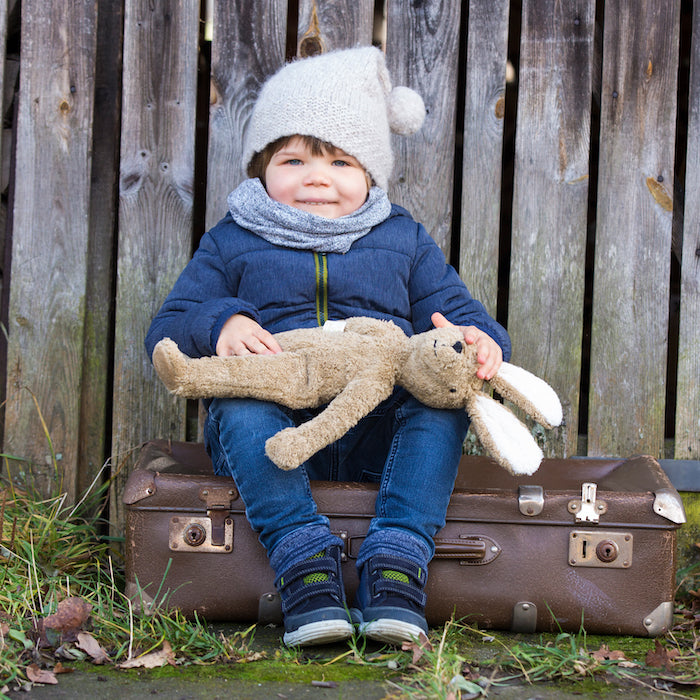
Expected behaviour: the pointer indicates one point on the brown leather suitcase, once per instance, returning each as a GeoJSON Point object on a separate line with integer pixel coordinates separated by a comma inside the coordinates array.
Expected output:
{"type": "Point", "coordinates": [583, 541]}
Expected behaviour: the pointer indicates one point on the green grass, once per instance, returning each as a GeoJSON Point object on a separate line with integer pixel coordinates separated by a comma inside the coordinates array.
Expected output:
{"type": "Point", "coordinates": [50, 552]}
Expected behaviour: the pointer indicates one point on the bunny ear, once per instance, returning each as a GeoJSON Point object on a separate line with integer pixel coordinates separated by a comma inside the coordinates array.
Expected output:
{"type": "Point", "coordinates": [505, 438]}
{"type": "Point", "coordinates": [530, 393]}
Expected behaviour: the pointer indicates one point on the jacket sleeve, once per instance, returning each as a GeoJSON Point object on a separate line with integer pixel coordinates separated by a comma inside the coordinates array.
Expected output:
{"type": "Point", "coordinates": [436, 286]}
{"type": "Point", "coordinates": [202, 300]}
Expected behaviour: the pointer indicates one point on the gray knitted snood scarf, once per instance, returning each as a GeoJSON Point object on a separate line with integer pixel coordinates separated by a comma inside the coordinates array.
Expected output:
{"type": "Point", "coordinates": [280, 224]}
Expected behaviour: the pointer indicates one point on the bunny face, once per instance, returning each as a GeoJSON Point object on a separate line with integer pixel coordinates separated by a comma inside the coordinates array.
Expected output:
{"type": "Point", "coordinates": [441, 368]}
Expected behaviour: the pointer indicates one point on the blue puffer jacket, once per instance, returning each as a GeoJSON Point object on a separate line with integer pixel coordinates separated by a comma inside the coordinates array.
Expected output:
{"type": "Point", "coordinates": [395, 272]}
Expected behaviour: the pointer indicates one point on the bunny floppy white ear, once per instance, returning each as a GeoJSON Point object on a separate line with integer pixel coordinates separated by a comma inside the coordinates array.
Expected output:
{"type": "Point", "coordinates": [499, 430]}
{"type": "Point", "coordinates": [530, 393]}
{"type": "Point", "coordinates": [503, 436]}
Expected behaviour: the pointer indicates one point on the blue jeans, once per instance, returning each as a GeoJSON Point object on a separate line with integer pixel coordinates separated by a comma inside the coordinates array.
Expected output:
{"type": "Point", "coordinates": [411, 450]}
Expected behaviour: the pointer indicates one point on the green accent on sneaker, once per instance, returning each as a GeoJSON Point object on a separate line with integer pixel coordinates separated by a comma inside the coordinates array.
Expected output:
{"type": "Point", "coordinates": [318, 577]}
{"type": "Point", "coordinates": [394, 575]}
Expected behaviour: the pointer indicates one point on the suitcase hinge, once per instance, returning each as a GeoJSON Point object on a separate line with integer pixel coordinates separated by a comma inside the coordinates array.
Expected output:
{"type": "Point", "coordinates": [530, 500]}
{"type": "Point", "coordinates": [588, 509]}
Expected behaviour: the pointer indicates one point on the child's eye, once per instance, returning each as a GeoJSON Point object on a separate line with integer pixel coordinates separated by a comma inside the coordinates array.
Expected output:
{"type": "Point", "coordinates": [341, 163]}
{"type": "Point", "coordinates": [293, 161]}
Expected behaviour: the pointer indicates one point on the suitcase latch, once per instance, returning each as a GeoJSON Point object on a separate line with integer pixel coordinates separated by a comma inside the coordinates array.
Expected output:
{"type": "Point", "coordinates": [218, 502]}
{"type": "Point", "coordinates": [588, 509]}
{"type": "Point", "coordinates": [213, 533]}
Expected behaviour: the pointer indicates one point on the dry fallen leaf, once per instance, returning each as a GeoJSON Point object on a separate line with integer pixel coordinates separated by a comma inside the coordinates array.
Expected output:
{"type": "Point", "coordinates": [69, 618]}
{"type": "Point", "coordinates": [604, 654]}
{"type": "Point", "coordinates": [153, 660]}
{"type": "Point", "coordinates": [91, 646]}
{"type": "Point", "coordinates": [60, 668]}
{"type": "Point", "coordinates": [38, 675]}
{"type": "Point", "coordinates": [418, 648]}
{"type": "Point", "coordinates": [661, 657]}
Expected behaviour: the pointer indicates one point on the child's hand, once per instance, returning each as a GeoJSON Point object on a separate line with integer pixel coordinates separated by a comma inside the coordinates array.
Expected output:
{"type": "Point", "coordinates": [489, 353]}
{"type": "Point", "coordinates": [241, 335]}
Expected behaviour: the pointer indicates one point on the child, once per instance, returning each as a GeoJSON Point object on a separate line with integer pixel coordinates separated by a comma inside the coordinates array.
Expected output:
{"type": "Point", "coordinates": [312, 236]}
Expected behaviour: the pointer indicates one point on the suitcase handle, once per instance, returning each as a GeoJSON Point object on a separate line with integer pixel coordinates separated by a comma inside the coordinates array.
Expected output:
{"type": "Point", "coordinates": [474, 548]}
{"type": "Point", "coordinates": [468, 549]}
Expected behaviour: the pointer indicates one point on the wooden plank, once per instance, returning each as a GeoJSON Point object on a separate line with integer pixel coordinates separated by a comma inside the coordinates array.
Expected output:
{"type": "Point", "coordinates": [687, 444]}
{"type": "Point", "coordinates": [3, 88]}
{"type": "Point", "coordinates": [325, 25]}
{"type": "Point", "coordinates": [50, 238]}
{"type": "Point", "coordinates": [487, 54]}
{"type": "Point", "coordinates": [248, 45]}
{"type": "Point", "coordinates": [550, 200]}
{"type": "Point", "coordinates": [8, 74]}
{"type": "Point", "coordinates": [155, 213]}
{"type": "Point", "coordinates": [633, 236]}
{"type": "Point", "coordinates": [93, 447]}
{"type": "Point", "coordinates": [423, 54]}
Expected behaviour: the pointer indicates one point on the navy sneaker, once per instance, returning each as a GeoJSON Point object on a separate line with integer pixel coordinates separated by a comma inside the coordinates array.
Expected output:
{"type": "Point", "coordinates": [313, 600]}
{"type": "Point", "coordinates": [390, 600]}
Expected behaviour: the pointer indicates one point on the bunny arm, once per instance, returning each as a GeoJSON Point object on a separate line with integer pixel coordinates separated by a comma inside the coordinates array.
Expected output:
{"type": "Point", "coordinates": [505, 438]}
{"type": "Point", "coordinates": [530, 393]}
{"type": "Point", "coordinates": [291, 447]}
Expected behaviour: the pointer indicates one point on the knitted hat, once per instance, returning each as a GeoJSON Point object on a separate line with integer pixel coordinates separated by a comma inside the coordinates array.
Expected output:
{"type": "Point", "coordinates": [342, 97]}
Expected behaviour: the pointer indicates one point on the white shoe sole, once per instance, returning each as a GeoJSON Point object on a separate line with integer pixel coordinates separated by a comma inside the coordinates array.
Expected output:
{"type": "Point", "coordinates": [391, 631]}
{"type": "Point", "coordinates": [322, 632]}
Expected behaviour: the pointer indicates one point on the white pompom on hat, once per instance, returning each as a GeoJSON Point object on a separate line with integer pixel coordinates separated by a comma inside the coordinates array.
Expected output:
{"type": "Point", "coordinates": [343, 97]}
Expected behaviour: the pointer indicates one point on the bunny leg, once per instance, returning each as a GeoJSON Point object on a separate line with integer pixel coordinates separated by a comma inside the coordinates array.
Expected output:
{"type": "Point", "coordinates": [291, 447]}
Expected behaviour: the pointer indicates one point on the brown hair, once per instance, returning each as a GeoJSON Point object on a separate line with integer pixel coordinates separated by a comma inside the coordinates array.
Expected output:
{"type": "Point", "coordinates": [260, 160]}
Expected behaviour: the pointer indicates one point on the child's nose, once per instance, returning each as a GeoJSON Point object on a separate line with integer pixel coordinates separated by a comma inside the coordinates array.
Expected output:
{"type": "Point", "coordinates": [318, 174]}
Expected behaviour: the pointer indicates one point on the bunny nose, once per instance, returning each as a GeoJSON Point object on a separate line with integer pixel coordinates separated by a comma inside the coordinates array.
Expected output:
{"type": "Point", "coordinates": [458, 347]}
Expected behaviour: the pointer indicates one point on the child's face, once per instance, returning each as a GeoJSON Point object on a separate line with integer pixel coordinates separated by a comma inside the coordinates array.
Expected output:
{"type": "Point", "coordinates": [331, 184]}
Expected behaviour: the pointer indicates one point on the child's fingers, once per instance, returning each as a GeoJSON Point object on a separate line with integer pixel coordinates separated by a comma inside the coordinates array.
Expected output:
{"type": "Point", "coordinates": [490, 356]}
{"type": "Point", "coordinates": [439, 321]}
{"type": "Point", "coordinates": [489, 353]}
{"type": "Point", "coordinates": [263, 343]}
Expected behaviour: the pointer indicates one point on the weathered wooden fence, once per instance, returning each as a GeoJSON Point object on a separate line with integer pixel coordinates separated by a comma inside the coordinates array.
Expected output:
{"type": "Point", "coordinates": [558, 168]}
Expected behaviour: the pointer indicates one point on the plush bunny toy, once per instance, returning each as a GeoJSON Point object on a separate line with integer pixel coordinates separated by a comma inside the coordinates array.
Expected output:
{"type": "Point", "coordinates": [352, 366]}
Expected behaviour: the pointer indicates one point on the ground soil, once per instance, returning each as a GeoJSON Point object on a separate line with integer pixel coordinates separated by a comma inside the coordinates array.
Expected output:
{"type": "Point", "coordinates": [305, 676]}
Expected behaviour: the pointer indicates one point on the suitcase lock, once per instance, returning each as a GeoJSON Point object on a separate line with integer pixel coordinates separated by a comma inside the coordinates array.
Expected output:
{"type": "Point", "coordinates": [213, 533]}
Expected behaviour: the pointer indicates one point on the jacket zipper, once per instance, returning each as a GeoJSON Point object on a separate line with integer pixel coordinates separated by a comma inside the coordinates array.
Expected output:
{"type": "Point", "coordinates": [321, 266]}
